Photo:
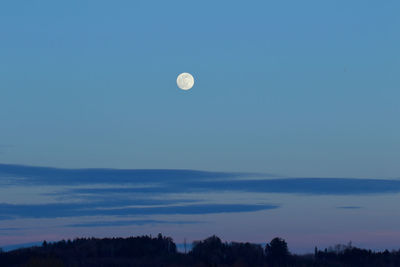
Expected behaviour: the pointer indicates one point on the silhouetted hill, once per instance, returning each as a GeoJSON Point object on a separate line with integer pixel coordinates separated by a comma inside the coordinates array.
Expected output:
{"type": "Point", "coordinates": [161, 251]}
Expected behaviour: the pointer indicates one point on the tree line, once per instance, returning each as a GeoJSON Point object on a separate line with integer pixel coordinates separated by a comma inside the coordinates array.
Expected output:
{"type": "Point", "coordinates": [162, 251]}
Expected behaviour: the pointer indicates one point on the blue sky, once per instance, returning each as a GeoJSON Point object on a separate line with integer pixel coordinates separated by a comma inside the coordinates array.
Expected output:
{"type": "Point", "coordinates": [285, 89]}
{"type": "Point", "coordinates": [304, 88]}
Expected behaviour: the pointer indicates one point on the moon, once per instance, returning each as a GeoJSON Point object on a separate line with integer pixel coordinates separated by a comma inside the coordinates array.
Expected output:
{"type": "Point", "coordinates": [185, 81]}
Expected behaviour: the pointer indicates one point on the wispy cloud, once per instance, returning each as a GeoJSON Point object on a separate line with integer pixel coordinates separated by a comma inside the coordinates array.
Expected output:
{"type": "Point", "coordinates": [175, 181]}
{"type": "Point", "coordinates": [349, 207]}
{"type": "Point", "coordinates": [311, 186]}
{"type": "Point", "coordinates": [45, 175]}
{"type": "Point", "coordinates": [93, 209]}
{"type": "Point", "coordinates": [128, 222]}
{"type": "Point", "coordinates": [109, 192]}
{"type": "Point", "coordinates": [9, 228]}
{"type": "Point", "coordinates": [315, 186]}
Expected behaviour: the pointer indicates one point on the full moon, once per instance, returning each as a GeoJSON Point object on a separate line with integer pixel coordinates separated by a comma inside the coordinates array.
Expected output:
{"type": "Point", "coordinates": [185, 81]}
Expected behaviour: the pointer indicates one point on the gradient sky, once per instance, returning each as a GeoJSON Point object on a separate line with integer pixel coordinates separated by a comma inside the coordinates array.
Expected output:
{"type": "Point", "coordinates": [284, 88]}
{"type": "Point", "coordinates": [307, 88]}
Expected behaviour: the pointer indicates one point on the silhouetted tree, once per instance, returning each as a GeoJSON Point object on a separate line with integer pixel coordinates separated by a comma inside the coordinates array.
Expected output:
{"type": "Point", "coordinates": [210, 251]}
{"type": "Point", "coordinates": [240, 253]}
{"type": "Point", "coordinates": [277, 252]}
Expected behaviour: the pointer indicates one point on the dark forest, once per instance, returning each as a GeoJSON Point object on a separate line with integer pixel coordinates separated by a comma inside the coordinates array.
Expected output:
{"type": "Point", "coordinates": [162, 251]}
